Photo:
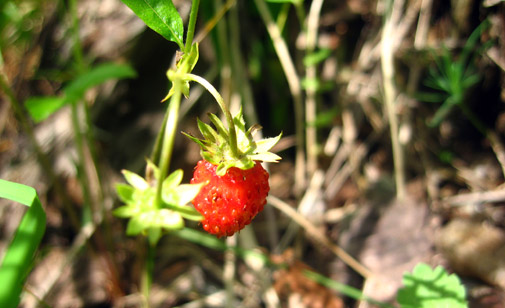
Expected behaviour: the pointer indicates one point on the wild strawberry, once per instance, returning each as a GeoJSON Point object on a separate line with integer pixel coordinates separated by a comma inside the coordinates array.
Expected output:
{"type": "Point", "coordinates": [237, 184]}
{"type": "Point", "coordinates": [228, 203]}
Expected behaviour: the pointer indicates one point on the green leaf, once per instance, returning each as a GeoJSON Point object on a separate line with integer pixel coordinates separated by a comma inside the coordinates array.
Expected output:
{"type": "Point", "coordinates": [316, 57]}
{"type": "Point", "coordinates": [18, 257]}
{"type": "Point", "coordinates": [97, 75]}
{"type": "Point", "coordinates": [161, 16]}
{"type": "Point", "coordinates": [135, 180]}
{"type": "Point", "coordinates": [426, 288]}
{"type": "Point", "coordinates": [40, 108]}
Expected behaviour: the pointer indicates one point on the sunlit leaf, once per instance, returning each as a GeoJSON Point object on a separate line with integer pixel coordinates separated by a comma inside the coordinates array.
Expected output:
{"type": "Point", "coordinates": [97, 75]}
{"type": "Point", "coordinates": [161, 16]}
{"type": "Point", "coordinates": [426, 288]}
{"type": "Point", "coordinates": [18, 255]}
{"type": "Point", "coordinates": [40, 108]}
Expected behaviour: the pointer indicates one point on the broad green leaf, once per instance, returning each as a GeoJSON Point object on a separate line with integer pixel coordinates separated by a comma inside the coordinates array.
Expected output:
{"type": "Point", "coordinates": [135, 180]}
{"type": "Point", "coordinates": [426, 288]}
{"type": "Point", "coordinates": [19, 254]}
{"type": "Point", "coordinates": [40, 108]}
{"type": "Point", "coordinates": [97, 75]}
{"type": "Point", "coordinates": [161, 16]}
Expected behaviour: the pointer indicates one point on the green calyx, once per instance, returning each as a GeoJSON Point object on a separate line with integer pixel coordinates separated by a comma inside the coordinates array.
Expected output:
{"type": "Point", "coordinates": [223, 148]}
{"type": "Point", "coordinates": [148, 217]}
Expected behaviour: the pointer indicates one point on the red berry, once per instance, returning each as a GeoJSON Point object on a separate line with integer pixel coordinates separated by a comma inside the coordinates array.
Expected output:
{"type": "Point", "coordinates": [228, 203]}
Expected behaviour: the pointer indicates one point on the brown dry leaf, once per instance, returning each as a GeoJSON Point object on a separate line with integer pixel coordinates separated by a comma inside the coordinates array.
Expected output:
{"type": "Point", "coordinates": [297, 290]}
{"type": "Point", "coordinates": [400, 241]}
{"type": "Point", "coordinates": [475, 248]}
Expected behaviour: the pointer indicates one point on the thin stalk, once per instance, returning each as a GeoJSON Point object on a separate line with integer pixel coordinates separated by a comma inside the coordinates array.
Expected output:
{"type": "Point", "coordinates": [191, 25]}
{"type": "Point", "coordinates": [76, 121]}
{"type": "Point", "coordinates": [390, 97]}
{"type": "Point", "coordinates": [311, 74]}
{"type": "Point", "coordinates": [169, 136]}
{"type": "Point", "coordinates": [230, 260]}
{"type": "Point", "coordinates": [155, 155]}
{"type": "Point", "coordinates": [295, 88]}
{"type": "Point", "coordinates": [224, 56]}
{"type": "Point", "coordinates": [147, 274]}
{"type": "Point", "coordinates": [82, 174]}
{"type": "Point", "coordinates": [222, 105]}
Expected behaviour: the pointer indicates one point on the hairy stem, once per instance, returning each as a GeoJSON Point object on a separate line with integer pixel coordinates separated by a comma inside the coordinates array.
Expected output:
{"type": "Point", "coordinates": [222, 105]}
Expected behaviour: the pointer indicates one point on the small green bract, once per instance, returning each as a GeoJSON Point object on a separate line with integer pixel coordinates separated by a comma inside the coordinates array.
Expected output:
{"type": "Point", "coordinates": [148, 217]}
{"type": "Point", "coordinates": [427, 288]}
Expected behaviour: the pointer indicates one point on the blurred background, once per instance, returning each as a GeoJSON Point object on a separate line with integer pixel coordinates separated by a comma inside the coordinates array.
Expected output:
{"type": "Point", "coordinates": [393, 121]}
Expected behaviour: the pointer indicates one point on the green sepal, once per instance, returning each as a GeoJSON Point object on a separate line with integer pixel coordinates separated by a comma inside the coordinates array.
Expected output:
{"type": "Point", "coordinates": [174, 179]}
{"type": "Point", "coordinates": [153, 236]}
{"type": "Point", "coordinates": [148, 216]}
{"type": "Point", "coordinates": [126, 211]}
{"type": "Point", "coordinates": [160, 218]}
{"type": "Point", "coordinates": [207, 132]}
{"type": "Point", "coordinates": [135, 180]}
{"type": "Point", "coordinates": [221, 130]}
{"type": "Point", "coordinates": [125, 192]}
{"type": "Point", "coordinates": [216, 144]}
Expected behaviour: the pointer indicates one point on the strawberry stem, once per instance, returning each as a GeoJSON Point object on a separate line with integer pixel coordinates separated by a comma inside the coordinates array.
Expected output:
{"type": "Point", "coordinates": [219, 99]}
{"type": "Point", "coordinates": [169, 136]}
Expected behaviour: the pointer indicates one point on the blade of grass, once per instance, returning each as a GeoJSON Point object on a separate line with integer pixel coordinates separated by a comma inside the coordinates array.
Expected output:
{"type": "Point", "coordinates": [18, 257]}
